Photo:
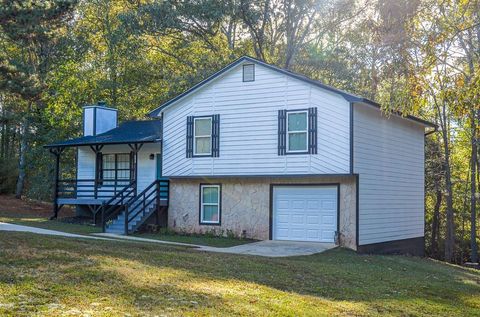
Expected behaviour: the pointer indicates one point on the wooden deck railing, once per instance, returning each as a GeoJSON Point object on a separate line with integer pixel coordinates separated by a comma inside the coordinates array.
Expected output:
{"type": "Point", "coordinates": [90, 188]}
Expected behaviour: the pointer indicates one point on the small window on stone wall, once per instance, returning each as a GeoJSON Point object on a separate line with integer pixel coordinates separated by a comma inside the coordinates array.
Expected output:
{"type": "Point", "coordinates": [210, 203]}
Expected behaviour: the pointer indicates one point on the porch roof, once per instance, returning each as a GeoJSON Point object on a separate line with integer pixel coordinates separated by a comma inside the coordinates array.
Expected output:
{"type": "Point", "coordinates": [129, 132]}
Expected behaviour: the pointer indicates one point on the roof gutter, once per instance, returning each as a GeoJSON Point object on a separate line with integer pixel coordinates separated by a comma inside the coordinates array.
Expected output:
{"type": "Point", "coordinates": [99, 143]}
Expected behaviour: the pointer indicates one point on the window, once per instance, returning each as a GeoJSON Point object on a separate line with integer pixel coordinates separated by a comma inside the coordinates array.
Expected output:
{"type": "Point", "coordinates": [203, 136]}
{"type": "Point", "coordinates": [249, 72]}
{"type": "Point", "coordinates": [210, 204]}
{"type": "Point", "coordinates": [116, 167]}
{"type": "Point", "coordinates": [297, 131]}
{"type": "Point", "coordinates": [202, 144]}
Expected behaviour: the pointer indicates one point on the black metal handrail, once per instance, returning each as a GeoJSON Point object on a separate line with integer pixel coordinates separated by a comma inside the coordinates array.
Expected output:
{"type": "Point", "coordinates": [110, 208]}
{"type": "Point", "coordinates": [142, 202]}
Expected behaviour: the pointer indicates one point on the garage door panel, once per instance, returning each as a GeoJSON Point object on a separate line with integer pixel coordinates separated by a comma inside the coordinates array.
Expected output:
{"type": "Point", "coordinates": [328, 220]}
{"type": "Point", "coordinates": [283, 204]}
{"type": "Point", "coordinates": [283, 218]}
{"type": "Point", "coordinates": [315, 220]}
{"type": "Point", "coordinates": [305, 213]}
{"type": "Point", "coordinates": [298, 204]}
{"type": "Point", "coordinates": [313, 204]}
{"type": "Point", "coordinates": [297, 233]}
{"type": "Point", "coordinates": [328, 204]}
{"type": "Point", "coordinates": [326, 234]}
{"type": "Point", "coordinates": [297, 219]}
{"type": "Point", "coordinates": [282, 233]}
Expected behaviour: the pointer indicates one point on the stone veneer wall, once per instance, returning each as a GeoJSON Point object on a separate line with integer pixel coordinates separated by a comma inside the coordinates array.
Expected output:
{"type": "Point", "coordinates": [246, 205]}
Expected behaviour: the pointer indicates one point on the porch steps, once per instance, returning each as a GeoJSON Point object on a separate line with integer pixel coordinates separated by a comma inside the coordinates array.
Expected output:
{"type": "Point", "coordinates": [117, 226]}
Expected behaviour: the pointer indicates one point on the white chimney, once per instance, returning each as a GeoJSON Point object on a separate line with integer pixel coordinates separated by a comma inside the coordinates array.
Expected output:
{"type": "Point", "coordinates": [98, 119]}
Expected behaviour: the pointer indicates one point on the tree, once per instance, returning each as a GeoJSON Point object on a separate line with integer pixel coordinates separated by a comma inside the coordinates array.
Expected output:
{"type": "Point", "coordinates": [31, 32]}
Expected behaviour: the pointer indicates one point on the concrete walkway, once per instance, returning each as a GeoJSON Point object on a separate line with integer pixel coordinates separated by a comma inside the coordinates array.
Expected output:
{"type": "Point", "coordinates": [261, 248]}
{"type": "Point", "coordinates": [266, 248]}
{"type": "Point", "coordinates": [19, 228]}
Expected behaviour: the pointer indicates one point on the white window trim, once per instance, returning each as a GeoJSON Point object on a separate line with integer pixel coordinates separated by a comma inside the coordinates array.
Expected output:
{"type": "Point", "coordinates": [297, 131]}
{"type": "Point", "coordinates": [202, 136]}
{"type": "Point", "coordinates": [210, 204]}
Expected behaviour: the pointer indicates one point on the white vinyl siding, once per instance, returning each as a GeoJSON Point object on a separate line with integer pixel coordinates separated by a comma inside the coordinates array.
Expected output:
{"type": "Point", "coordinates": [389, 158]}
{"type": "Point", "coordinates": [86, 163]}
{"type": "Point", "coordinates": [88, 124]}
{"type": "Point", "coordinates": [249, 127]}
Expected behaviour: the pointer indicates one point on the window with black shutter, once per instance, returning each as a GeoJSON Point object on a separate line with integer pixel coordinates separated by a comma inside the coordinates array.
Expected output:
{"type": "Point", "coordinates": [203, 136]}
{"type": "Point", "coordinates": [297, 131]}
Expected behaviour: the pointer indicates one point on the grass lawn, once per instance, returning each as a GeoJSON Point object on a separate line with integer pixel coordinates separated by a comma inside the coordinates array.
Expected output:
{"type": "Point", "coordinates": [221, 242]}
{"type": "Point", "coordinates": [51, 276]}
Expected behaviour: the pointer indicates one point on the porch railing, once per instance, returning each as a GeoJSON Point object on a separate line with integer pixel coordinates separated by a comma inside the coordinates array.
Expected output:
{"type": "Point", "coordinates": [91, 188]}
{"type": "Point", "coordinates": [146, 203]}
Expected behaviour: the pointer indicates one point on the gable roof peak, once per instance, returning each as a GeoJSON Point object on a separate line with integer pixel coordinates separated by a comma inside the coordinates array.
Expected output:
{"type": "Point", "coordinates": [352, 98]}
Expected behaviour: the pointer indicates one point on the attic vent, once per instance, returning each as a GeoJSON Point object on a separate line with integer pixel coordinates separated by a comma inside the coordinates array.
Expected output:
{"type": "Point", "coordinates": [249, 72]}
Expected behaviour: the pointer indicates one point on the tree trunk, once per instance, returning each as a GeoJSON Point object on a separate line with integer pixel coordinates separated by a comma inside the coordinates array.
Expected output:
{"type": "Point", "coordinates": [22, 159]}
{"type": "Point", "coordinates": [450, 234]}
{"type": "Point", "coordinates": [436, 222]}
{"type": "Point", "coordinates": [473, 189]}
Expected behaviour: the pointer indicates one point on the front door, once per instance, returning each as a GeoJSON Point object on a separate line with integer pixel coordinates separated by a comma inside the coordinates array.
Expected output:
{"type": "Point", "coordinates": [159, 166]}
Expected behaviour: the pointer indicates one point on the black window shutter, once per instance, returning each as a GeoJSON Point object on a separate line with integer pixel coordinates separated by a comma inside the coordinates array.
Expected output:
{"type": "Point", "coordinates": [189, 136]}
{"type": "Point", "coordinates": [282, 132]}
{"type": "Point", "coordinates": [216, 135]}
{"type": "Point", "coordinates": [312, 130]}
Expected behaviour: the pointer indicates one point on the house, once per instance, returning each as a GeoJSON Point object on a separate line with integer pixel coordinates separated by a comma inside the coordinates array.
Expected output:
{"type": "Point", "coordinates": [259, 152]}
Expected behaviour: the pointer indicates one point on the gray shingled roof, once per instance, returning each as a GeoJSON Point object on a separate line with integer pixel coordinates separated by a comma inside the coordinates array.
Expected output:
{"type": "Point", "coordinates": [128, 132]}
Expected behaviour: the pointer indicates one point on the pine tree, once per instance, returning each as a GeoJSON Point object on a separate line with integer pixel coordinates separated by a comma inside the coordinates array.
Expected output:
{"type": "Point", "coordinates": [30, 39]}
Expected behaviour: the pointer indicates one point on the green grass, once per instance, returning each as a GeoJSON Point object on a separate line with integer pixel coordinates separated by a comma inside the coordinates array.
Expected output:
{"type": "Point", "coordinates": [51, 276]}
{"type": "Point", "coordinates": [45, 223]}
{"type": "Point", "coordinates": [212, 241]}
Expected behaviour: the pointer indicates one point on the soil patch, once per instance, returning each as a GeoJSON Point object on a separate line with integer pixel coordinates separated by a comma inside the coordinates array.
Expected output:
{"type": "Point", "coordinates": [10, 206]}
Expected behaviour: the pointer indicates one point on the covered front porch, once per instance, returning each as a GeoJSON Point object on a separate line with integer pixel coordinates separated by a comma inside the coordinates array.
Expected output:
{"type": "Point", "coordinates": [118, 177]}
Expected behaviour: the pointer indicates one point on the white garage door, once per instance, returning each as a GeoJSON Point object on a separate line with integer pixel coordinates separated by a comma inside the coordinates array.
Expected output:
{"type": "Point", "coordinates": [305, 213]}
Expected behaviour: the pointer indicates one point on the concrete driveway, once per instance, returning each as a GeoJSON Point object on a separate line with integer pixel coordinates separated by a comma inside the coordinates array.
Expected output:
{"type": "Point", "coordinates": [275, 248]}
